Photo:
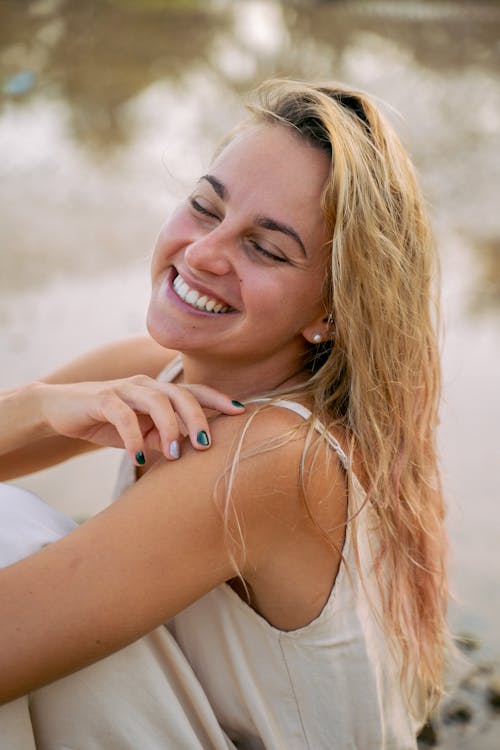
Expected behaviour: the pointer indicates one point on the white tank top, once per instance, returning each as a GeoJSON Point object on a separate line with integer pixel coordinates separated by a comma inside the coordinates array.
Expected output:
{"type": "Point", "coordinates": [330, 685]}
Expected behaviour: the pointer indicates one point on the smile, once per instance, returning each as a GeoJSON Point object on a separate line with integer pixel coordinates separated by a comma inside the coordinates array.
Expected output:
{"type": "Point", "coordinates": [198, 300]}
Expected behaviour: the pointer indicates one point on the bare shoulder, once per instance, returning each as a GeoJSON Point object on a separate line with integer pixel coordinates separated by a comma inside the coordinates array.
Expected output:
{"type": "Point", "coordinates": [275, 499]}
{"type": "Point", "coordinates": [289, 495]}
{"type": "Point", "coordinates": [269, 433]}
{"type": "Point", "coordinates": [163, 545]}
{"type": "Point", "coordinates": [273, 453]}
{"type": "Point", "coordinates": [118, 359]}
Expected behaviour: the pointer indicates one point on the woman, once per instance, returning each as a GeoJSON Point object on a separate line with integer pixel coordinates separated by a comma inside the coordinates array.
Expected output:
{"type": "Point", "coordinates": [303, 610]}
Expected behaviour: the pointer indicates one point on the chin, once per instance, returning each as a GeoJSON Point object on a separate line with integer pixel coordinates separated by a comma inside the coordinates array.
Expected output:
{"type": "Point", "coordinates": [166, 333]}
{"type": "Point", "coordinates": [156, 330]}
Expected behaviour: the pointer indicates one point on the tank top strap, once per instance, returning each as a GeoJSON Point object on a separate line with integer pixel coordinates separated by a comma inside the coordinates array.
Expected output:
{"type": "Point", "coordinates": [306, 414]}
{"type": "Point", "coordinates": [174, 368]}
{"type": "Point", "coordinates": [171, 371]}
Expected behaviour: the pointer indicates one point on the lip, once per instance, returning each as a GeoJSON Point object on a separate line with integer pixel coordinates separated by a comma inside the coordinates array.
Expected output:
{"type": "Point", "coordinates": [172, 295]}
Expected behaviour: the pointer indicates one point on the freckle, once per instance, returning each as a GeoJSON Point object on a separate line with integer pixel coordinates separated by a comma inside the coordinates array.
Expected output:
{"type": "Point", "coordinates": [98, 642]}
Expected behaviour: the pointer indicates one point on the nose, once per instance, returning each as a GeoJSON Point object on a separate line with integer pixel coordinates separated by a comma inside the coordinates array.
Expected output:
{"type": "Point", "coordinates": [209, 254]}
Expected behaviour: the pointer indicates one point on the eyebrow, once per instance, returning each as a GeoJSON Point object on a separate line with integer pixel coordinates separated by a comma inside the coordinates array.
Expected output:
{"type": "Point", "coordinates": [262, 221]}
{"type": "Point", "coordinates": [277, 226]}
{"type": "Point", "coordinates": [217, 186]}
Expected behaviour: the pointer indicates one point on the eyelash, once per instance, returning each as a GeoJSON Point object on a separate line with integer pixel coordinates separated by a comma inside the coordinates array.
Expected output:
{"type": "Point", "coordinates": [266, 253]}
{"type": "Point", "coordinates": [262, 251]}
{"type": "Point", "coordinates": [199, 208]}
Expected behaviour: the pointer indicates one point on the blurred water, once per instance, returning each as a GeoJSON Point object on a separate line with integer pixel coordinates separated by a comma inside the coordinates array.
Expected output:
{"type": "Point", "coordinates": [121, 105]}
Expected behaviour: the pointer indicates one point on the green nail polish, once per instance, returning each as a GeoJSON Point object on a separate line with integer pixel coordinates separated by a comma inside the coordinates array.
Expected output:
{"type": "Point", "coordinates": [140, 458]}
{"type": "Point", "coordinates": [237, 403]}
{"type": "Point", "coordinates": [202, 438]}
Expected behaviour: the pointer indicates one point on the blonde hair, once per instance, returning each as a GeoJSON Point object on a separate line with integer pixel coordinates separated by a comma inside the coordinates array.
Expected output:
{"type": "Point", "coordinates": [380, 380]}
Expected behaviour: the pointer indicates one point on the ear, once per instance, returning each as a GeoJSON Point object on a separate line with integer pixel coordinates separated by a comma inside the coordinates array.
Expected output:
{"type": "Point", "coordinates": [319, 330]}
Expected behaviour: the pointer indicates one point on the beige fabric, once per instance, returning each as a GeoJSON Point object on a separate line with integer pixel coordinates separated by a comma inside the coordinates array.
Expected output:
{"type": "Point", "coordinates": [220, 674]}
{"type": "Point", "coordinates": [145, 697]}
{"type": "Point", "coordinates": [16, 732]}
{"type": "Point", "coordinates": [333, 684]}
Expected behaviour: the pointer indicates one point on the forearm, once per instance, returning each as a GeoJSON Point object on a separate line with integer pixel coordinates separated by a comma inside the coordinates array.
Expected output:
{"type": "Point", "coordinates": [40, 455]}
{"type": "Point", "coordinates": [44, 423]}
{"type": "Point", "coordinates": [27, 444]}
{"type": "Point", "coordinates": [21, 421]}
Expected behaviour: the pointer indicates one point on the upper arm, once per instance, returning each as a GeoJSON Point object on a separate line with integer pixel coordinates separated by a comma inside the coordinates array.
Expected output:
{"type": "Point", "coordinates": [160, 547]}
{"type": "Point", "coordinates": [119, 359]}
{"type": "Point", "coordinates": [113, 579]}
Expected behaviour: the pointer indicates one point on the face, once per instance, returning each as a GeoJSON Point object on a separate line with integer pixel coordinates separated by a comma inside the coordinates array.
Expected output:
{"type": "Point", "coordinates": [238, 269]}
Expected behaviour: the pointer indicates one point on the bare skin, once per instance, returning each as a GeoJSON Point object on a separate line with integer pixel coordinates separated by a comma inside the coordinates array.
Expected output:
{"type": "Point", "coordinates": [118, 360]}
{"type": "Point", "coordinates": [70, 596]}
{"type": "Point", "coordinates": [163, 545]}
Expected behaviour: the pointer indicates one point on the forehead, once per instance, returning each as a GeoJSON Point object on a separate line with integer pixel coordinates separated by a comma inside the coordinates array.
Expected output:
{"type": "Point", "coordinates": [276, 162]}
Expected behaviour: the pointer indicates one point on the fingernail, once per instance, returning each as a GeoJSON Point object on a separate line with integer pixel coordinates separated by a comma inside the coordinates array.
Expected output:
{"type": "Point", "coordinates": [174, 449]}
{"type": "Point", "coordinates": [237, 403]}
{"type": "Point", "coordinates": [202, 438]}
{"type": "Point", "coordinates": [140, 458]}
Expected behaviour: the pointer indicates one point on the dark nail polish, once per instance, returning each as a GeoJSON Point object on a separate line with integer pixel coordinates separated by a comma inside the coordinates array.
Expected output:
{"type": "Point", "coordinates": [202, 438]}
{"type": "Point", "coordinates": [140, 458]}
{"type": "Point", "coordinates": [237, 403]}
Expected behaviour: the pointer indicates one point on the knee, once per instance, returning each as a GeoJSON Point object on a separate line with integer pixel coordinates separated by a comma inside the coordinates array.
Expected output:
{"type": "Point", "coordinates": [27, 524]}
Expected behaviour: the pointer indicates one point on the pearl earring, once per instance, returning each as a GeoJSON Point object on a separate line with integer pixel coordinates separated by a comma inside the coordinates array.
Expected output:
{"type": "Point", "coordinates": [317, 338]}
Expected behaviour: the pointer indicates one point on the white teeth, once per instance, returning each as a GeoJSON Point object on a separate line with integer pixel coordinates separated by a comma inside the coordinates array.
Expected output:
{"type": "Point", "coordinates": [194, 298]}
{"type": "Point", "coordinates": [183, 290]}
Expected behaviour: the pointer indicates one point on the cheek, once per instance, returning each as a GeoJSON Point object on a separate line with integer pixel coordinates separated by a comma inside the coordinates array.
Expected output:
{"type": "Point", "coordinates": [301, 303]}
{"type": "Point", "coordinates": [288, 304]}
{"type": "Point", "coordinates": [171, 236]}
{"type": "Point", "coordinates": [265, 295]}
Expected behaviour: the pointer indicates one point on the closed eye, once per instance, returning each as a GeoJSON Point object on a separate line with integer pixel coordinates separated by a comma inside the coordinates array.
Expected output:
{"type": "Point", "coordinates": [266, 254]}
{"type": "Point", "coordinates": [201, 209]}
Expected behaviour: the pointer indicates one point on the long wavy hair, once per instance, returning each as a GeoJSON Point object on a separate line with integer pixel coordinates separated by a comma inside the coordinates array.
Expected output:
{"type": "Point", "coordinates": [379, 380]}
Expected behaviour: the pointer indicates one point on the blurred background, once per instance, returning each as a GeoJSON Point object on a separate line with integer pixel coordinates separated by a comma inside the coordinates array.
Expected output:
{"type": "Point", "coordinates": [108, 110]}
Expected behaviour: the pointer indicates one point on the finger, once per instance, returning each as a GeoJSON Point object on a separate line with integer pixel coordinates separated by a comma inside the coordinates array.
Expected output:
{"type": "Point", "coordinates": [123, 418]}
{"type": "Point", "coordinates": [162, 413]}
{"type": "Point", "coordinates": [152, 440]}
{"type": "Point", "coordinates": [210, 398]}
{"type": "Point", "coordinates": [160, 410]}
{"type": "Point", "coordinates": [166, 403]}
{"type": "Point", "coordinates": [190, 402]}
{"type": "Point", "coordinates": [190, 414]}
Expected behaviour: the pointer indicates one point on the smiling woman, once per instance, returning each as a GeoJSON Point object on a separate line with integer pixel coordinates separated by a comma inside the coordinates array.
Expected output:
{"type": "Point", "coordinates": [244, 248]}
{"type": "Point", "coordinates": [275, 553]}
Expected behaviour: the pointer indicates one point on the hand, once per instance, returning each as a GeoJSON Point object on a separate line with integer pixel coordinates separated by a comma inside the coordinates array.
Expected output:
{"type": "Point", "coordinates": [136, 413]}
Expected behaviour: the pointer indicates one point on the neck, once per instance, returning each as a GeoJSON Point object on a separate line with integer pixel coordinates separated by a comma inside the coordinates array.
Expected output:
{"type": "Point", "coordinates": [242, 380]}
